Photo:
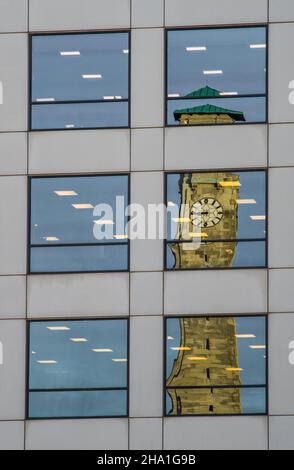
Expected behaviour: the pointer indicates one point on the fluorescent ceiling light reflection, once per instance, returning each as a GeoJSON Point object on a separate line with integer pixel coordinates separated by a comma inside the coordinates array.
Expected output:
{"type": "Point", "coordinates": [120, 237]}
{"type": "Point", "coordinates": [45, 100]}
{"type": "Point", "coordinates": [257, 346]}
{"type": "Point", "coordinates": [101, 350]}
{"type": "Point", "coordinates": [213, 72]}
{"type": "Point", "coordinates": [258, 217]}
{"type": "Point", "coordinates": [170, 338]}
{"type": "Point", "coordinates": [34, 352]}
{"type": "Point", "coordinates": [83, 206]}
{"type": "Point", "coordinates": [198, 235]}
{"type": "Point", "coordinates": [58, 328]}
{"type": "Point", "coordinates": [229, 93]}
{"type": "Point", "coordinates": [104, 222]}
{"type": "Point", "coordinates": [79, 340]}
{"type": "Point", "coordinates": [196, 48]}
{"type": "Point", "coordinates": [70, 126]}
{"type": "Point", "coordinates": [70, 53]}
{"type": "Point", "coordinates": [234, 369]}
{"type": "Point", "coordinates": [125, 51]}
{"type": "Point", "coordinates": [241, 336]}
{"type": "Point", "coordinates": [181, 348]}
{"type": "Point", "coordinates": [229, 184]}
{"type": "Point", "coordinates": [65, 193]}
{"type": "Point", "coordinates": [174, 95]}
{"type": "Point", "coordinates": [246, 201]}
{"type": "Point", "coordinates": [197, 358]}
{"type": "Point", "coordinates": [109, 98]}
{"type": "Point", "coordinates": [171, 204]}
{"type": "Point", "coordinates": [47, 361]}
{"type": "Point", "coordinates": [93, 76]}
{"type": "Point", "coordinates": [181, 219]}
{"type": "Point", "coordinates": [257, 46]}
{"type": "Point", "coordinates": [120, 360]}
{"type": "Point", "coordinates": [51, 239]}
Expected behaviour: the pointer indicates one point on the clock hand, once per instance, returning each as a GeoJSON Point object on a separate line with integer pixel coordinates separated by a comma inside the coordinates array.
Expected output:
{"type": "Point", "coordinates": [201, 213]}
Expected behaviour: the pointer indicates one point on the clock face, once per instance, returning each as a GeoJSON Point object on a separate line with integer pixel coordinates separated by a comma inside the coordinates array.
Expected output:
{"type": "Point", "coordinates": [207, 212]}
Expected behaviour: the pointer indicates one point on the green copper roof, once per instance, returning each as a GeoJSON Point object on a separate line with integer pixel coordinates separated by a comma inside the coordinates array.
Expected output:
{"type": "Point", "coordinates": [209, 109]}
{"type": "Point", "coordinates": [203, 92]}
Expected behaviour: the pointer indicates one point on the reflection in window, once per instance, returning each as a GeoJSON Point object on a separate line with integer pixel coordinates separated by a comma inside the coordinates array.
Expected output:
{"type": "Point", "coordinates": [216, 76]}
{"type": "Point", "coordinates": [63, 230]}
{"type": "Point", "coordinates": [216, 365]}
{"type": "Point", "coordinates": [78, 368]}
{"type": "Point", "coordinates": [80, 80]}
{"type": "Point", "coordinates": [216, 220]}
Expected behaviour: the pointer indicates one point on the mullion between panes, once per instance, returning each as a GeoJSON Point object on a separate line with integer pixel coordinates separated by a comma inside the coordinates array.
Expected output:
{"type": "Point", "coordinates": [219, 240]}
{"type": "Point", "coordinates": [208, 387]}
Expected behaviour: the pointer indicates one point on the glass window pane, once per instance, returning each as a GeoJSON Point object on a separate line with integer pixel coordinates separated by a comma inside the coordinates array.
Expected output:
{"type": "Point", "coordinates": [212, 255]}
{"type": "Point", "coordinates": [216, 401]}
{"type": "Point", "coordinates": [183, 112]}
{"type": "Point", "coordinates": [226, 207]}
{"type": "Point", "coordinates": [78, 404]}
{"type": "Point", "coordinates": [79, 68]}
{"type": "Point", "coordinates": [211, 64]}
{"type": "Point", "coordinates": [216, 351]}
{"type": "Point", "coordinates": [60, 63]}
{"type": "Point", "coordinates": [111, 257]}
{"type": "Point", "coordinates": [211, 360]}
{"type": "Point", "coordinates": [63, 206]}
{"type": "Point", "coordinates": [79, 116]}
{"type": "Point", "coordinates": [214, 199]}
{"type": "Point", "coordinates": [78, 368]}
{"type": "Point", "coordinates": [83, 353]}
{"type": "Point", "coordinates": [63, 213]}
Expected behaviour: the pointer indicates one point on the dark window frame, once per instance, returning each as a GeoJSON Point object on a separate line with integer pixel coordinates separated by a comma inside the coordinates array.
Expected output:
{"type": "Point", "coordinates": [265, 239]}
{"type": "Point", "coordinates": [30, 84]}
{"type": "Point", "coordinates": [28, 390]}
{"type": "Point", "coordinates": [109, 243]}
{"type": "Point", "coordinates": [214, 415]}
{"type": "Point", "coordinates": [213, 27]}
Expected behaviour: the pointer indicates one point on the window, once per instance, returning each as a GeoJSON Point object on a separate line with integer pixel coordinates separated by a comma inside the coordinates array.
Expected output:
{"type": "Point", "coordinates": [216, 366]}
{"type": "Point", "coordinates": [69, 234]}
{"type": "Point", "coordinates": [78, 368]}
{"type": "Point", "coordinates": [80, 81]}
{"type": "Point", "coordinates": [216, 220]}
{"type": "Point", "coordinates": [216, 76]}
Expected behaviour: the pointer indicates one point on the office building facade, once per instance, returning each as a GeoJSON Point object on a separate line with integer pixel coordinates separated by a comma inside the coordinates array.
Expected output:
{"type": "Point", "coordinates": [179, 342]}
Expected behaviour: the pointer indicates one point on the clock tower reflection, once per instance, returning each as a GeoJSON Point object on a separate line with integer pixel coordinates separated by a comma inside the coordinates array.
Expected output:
{"type": "Point", "coordinates": [207, 358]}
{"type": "Point", "coordinates": [208, 352]}
{"type": "Point", "coordinates": [209, 209]}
